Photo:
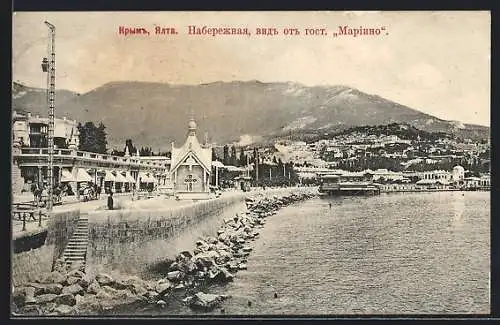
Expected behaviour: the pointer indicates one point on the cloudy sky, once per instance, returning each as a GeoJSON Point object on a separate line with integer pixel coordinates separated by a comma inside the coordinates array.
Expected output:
{"type": "Point", "coordinates": [436, 62]}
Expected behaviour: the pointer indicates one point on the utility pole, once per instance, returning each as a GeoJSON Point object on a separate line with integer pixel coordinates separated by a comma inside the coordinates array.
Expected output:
{"type": "Point", "coordinates": [248, 167]}
{"type": "Point", "coordinates": [257, 165]}
{"type": "Point", "coordinates": [49, 66]}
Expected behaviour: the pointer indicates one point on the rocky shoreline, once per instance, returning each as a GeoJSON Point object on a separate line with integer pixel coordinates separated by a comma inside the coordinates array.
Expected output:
{"type": "Point", "coordinates": [214, 261]}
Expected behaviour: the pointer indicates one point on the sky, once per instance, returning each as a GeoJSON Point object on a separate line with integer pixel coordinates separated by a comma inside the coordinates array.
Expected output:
{"type": "Point", "coordinates": [435, 62]}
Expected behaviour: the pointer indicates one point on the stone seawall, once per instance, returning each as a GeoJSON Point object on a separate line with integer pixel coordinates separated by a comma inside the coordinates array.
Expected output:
{"type": "Point", "coordinates": [131, 241]}
{"type": "Point", "coordinates": [28, 265]}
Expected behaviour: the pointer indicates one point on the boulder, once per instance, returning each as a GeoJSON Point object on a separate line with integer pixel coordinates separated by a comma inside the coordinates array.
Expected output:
{"type": "Point", "coordinates": [46, 298]}
{"type": "Point", "coordinates": [211, 240]}
{"type": "Point", "coordinates": [204, 301]}
{"type": "Point", "coordinates": [31, 310]}
{"type": "Point", "coordinates": [152, 296]}
{"type": "Point", "coordinates": [223, 237]}
{"type": "Point", "coordinates": [174, 266]}
{"type": "Point", "coordinates": [65, 299]}
{"type": "Point", "coordinates": [88, 305]}
{"type": "Point", "coordinates": [232, 266]}
{"type": "Point", "coordinates": [188, 267]}
{"type": "Point", "coordinates": [72, 280]}
{"type": "Point", "coordinates": [224, 257]}
{"type": "Point", "coordinates": [242, 266]}
{"type": "Point", "coordinates": [220, 275]}
{"type": "Point", "coordinates": [136, 285]}
{"type": "Point", "coordinates": [84, 282]}
{"type": "Point", "coordinates": [53, 277]}
{"type": "Point", "coordinates": [229, 276]}
{"type": "Point", "coordinates": [60, 265]}
{"type": "Point", "coordinates": [76, 273]}
{"type": "Point", "coordinates": [186, 254]}
{"type": "Point", "coordinates": [179, 287]}
{"type": "Point", "coordinates": [94, 287]}
{"type": "Point", "coordinates": [45, 288]}
{"type": "Point", "coordinates": [104, 279]}
{"type": "Point", "coordinates": [79, 298]}
{"type": "Point", "coordinates": [161, 303]}
{"type": "Point", "coordinates": [119, 285]}
{"type": "Point", "coordinates": [203, 261]}
{"type": "Point", "coordinates": [19, 296]}
{"type": "Point", "coordinates": [49, 307]}
{"type": "Point", "coordinates": [63, 310]}
{"type": "Point", "coordinates": [110, 298]}
{"type": "Point", "coordinates": [247, 249]}
{"type": "Point", "coordinates": [175, 276]}
{"type": "Point", "coordinates": [162, 286]}
{"type": "Point", "coordinates": [30, 295]}
{"type": "Point", "coordinates": [73, 289]}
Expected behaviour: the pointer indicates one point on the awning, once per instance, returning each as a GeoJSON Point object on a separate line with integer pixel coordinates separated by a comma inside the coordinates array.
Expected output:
{"type": "Point", "coordinates": [426, 182]}
{"type": "Point", "coordinates": [109, 177]}
{"type": "Point", "coordinates": [83, 176]}
{"type": "Point", "coordinates": [67, 176]}
{"type": "Point", "coordinates": [217, 164]}
{"type": "Point", "coordinates": [145, 178]}
{"type": "Point", "coordinates": [129, 178]}
{"type": "Point", "coordinates": [120, 178]}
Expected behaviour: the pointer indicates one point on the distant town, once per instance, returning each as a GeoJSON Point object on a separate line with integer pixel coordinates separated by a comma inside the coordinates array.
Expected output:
{"type": "Point", "coordinates": [393, 154]}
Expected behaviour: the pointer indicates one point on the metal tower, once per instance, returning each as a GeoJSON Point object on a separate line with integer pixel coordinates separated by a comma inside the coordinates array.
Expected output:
{"type": "Point", "coordinates": [50, 67]}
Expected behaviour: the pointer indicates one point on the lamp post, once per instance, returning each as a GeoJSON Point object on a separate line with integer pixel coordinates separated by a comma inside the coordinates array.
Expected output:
{"type": "Point", "coordinates": [49, 66]}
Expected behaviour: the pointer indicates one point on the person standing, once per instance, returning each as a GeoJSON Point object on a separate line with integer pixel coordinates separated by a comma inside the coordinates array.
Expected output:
{"type": "Point", "coordinates": [110, 201]}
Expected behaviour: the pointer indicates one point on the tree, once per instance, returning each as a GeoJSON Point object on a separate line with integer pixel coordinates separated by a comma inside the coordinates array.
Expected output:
{"type": "Point", "coordinates": [131, 149]}
{"type": "Point", "coordinates": [234, 159]}
{"type": "Point", "coordinates": [145, 151]}
{"type": "Point", "coordinates": [214, 155]}
{"type": "Point", "coordinates": [243, 157]}
{"type": "Point", "coordinates": [101, 138]}
{"type": "Point", "coordinates": [92, 138]}
{"type": "Point", "coordinates": [254, 158]}
{"type": "Point", "coordinates": [226, 155]}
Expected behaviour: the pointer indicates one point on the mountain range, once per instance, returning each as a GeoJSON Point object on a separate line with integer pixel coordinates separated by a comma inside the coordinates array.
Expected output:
{"type": "Point", "coordinates": [155, 114]}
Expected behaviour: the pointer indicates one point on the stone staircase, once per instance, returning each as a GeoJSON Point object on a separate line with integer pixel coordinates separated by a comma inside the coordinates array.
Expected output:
{"type": "Point", "coordinates": [76, 250]}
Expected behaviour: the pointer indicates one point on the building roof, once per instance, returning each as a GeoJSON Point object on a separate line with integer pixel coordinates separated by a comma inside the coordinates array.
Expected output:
{"type": "Point", "coordinates": [203, 155]}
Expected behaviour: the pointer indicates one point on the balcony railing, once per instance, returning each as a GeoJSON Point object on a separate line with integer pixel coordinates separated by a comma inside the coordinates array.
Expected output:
{"type": "Point", "coordinates": [92, 156]}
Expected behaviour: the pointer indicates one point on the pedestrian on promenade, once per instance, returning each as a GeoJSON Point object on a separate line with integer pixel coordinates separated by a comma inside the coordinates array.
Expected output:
{"type": "Point", "coordinates": [110, 201]}
{"type": "Point", "coordinates": [330, 204]}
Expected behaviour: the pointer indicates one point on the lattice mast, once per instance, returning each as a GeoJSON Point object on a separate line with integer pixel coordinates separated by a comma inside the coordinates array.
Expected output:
{"type": "Point", "coordinates": [49, 66]}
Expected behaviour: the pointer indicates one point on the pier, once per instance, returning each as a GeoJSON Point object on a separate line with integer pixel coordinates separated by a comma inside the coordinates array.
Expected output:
{"type": "Point", "coordinates": [347, 184]}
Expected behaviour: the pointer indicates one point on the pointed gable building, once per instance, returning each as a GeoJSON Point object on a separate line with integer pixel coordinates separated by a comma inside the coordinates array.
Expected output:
{"type": "Point", "coordinates": [191, 167]}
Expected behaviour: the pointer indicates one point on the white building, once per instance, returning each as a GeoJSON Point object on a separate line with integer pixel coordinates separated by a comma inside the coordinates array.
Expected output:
{"type": "Point", "coordinates": [32, 131]}
{"type": "Point", "coordinates": [458, 174]}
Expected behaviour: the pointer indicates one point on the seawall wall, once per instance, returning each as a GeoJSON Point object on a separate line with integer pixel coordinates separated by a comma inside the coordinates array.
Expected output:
{"type": "Point", "coordinates": [132, 241]}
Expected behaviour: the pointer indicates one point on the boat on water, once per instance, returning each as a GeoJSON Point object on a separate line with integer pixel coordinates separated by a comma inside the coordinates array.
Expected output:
{"type": "Point", "coordinates": [347, 184]}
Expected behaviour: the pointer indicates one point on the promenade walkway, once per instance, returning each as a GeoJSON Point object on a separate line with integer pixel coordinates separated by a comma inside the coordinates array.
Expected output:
{"type": "Point", "coordinates": [69, 203]}
{"type": "Point", "coordinates": [125, 201]}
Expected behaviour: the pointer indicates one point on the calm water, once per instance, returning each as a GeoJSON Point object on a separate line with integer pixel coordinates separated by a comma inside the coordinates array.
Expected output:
{"type": "Point", "coordinates": [411, 253]}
